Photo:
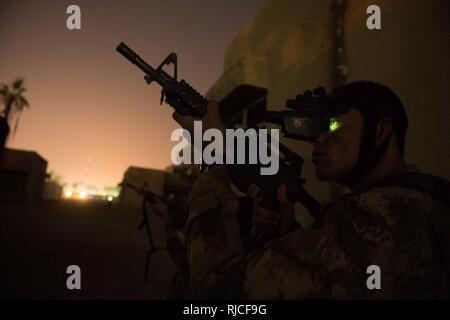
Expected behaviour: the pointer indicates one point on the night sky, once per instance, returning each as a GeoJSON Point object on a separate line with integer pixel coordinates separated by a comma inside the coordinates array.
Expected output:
{"type": "Point", "coordinates": [92, 114]}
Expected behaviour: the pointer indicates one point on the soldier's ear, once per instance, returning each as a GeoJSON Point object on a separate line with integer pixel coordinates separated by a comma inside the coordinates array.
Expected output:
{"type": "Point", "coordinates": [384, 130]}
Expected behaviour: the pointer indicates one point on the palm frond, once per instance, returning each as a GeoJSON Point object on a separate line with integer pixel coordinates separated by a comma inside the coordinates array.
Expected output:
{"type": "Point", "coordinates": [4, 90]}
{"type": "Point", "coordinates": [16, 124]}
{"type": "Point", "coordinates": [19, 103]}
{"type": "Point", "coordinates": [24, 102]}
{"type": "Point", "coordinates": [17, 84]}
{"type": "Point", "coordinates": [14, 101]}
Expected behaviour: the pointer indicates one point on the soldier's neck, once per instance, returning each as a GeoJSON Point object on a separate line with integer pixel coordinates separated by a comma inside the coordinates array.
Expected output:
{"type": "Point", "coordinates": [391, 164]}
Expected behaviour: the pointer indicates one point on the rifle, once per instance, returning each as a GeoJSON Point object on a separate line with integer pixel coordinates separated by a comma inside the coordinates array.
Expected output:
{"type": "Point", "coordinates": [147, 197]}
{"type": "Point", "coordinates": [247, 178]}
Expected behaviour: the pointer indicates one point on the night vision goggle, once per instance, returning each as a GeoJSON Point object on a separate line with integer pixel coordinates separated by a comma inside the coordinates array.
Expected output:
{"type": "Point", "coordinates": [313, 112]}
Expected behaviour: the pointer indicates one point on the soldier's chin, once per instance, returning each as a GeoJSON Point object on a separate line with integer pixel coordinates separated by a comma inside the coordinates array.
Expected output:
{"type": "Point", "coordinates": [323, 175]}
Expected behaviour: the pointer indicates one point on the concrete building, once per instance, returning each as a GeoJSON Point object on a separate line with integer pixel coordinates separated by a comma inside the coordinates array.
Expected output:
{"type": "Point", "coordinates": [172, 184]}
{"type": "Point", "coordinates": [22, 176]}
{"type": "Point", "coordinates": [140, 177]}
{"type": "Point", "coordinates": [290, 46]}
{"type": "Point", "coordinates": [168, 183]}
{"type": "Point", "coordinates": [52, 190]}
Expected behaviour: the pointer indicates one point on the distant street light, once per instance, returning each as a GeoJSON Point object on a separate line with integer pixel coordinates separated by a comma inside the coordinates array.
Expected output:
{"type": "Point", "coordinates": [68, 193]}
{"type": "Point", "coordinates": [83, 194]}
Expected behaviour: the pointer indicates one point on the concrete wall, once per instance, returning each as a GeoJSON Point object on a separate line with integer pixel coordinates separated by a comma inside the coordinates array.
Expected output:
{"type": "Point", "coordinates": [172, 184]}
{"type": "Point", "coordinates": [175, 179]}
{"type": "Point", "coordinates": [286, 48]}
{"type": "Point", "coordinates": [52, 190]}
{"type": "Point", "coordinates": [138, 177]}
{"type": "Point", "coordinates": [22, 175]}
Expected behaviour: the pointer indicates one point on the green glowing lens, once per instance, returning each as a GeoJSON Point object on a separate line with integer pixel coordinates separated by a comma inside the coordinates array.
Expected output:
{"type": "Point", "coordinates": [335, 124]}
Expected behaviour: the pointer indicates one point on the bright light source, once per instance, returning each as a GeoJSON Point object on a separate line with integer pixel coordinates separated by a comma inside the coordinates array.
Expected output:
{"type": "Point", "coordinates": [68, 193]}
{"type": "Point", "coordinates": [83, 194]}
{"type": "Point", "coordinates": [110, 198]}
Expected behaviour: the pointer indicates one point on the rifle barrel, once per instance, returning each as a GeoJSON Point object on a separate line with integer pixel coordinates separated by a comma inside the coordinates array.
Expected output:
{"type": "Point", "coordinates": [159, 76]}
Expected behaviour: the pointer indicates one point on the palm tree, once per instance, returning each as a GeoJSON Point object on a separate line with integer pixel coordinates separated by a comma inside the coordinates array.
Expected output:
{"type": "Point", "coordinates": [14, 102]}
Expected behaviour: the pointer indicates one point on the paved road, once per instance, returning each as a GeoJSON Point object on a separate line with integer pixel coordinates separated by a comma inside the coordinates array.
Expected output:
{"type": "Point", "coordinates": [38, 242]}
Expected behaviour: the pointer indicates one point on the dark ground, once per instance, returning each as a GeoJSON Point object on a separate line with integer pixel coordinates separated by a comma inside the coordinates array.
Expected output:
{"type": "Point", "coordinates": [38, 242]}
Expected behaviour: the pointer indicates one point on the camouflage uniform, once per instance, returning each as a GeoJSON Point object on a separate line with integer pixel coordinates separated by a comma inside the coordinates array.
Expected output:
{"type": "Point", "coordinates": [403, 231]}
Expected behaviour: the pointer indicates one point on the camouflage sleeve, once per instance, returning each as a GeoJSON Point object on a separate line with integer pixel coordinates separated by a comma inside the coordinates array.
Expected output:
{"type": "Point", "coordinates": [212, 232]}
{"type": "Point", "coordinates": [327, 261]}
{"type": "Point", "coordinates": [386, 228]}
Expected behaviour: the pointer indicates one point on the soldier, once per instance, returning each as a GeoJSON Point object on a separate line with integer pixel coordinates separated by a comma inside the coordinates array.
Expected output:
{"type": "Point", "coordinates": [394, 219]}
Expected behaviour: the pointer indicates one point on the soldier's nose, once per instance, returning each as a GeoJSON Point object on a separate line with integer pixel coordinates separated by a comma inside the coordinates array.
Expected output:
{"type": "Point", "coordinates": [319, 139]}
